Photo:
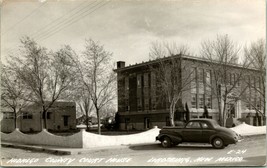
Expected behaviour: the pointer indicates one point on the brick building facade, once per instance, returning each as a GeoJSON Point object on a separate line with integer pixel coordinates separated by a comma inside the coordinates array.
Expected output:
{"type": "Point", "coordinates": [141, 106]}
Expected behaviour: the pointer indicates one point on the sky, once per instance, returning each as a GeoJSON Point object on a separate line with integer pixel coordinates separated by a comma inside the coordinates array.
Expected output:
{"type": "Point", "coordinates": [128, 27]}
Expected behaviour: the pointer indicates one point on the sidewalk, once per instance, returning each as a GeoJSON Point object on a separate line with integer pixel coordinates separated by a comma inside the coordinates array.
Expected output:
{"type": "Point", "coordinates": [59, 150]}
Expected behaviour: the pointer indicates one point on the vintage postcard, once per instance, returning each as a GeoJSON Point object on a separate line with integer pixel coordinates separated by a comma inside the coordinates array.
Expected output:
{"type": "Point", "coordinates": [133, 83]}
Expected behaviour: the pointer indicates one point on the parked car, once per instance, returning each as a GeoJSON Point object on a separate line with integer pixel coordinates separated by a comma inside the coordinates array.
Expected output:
{"type": "Point", "coordinates": [199, 131]}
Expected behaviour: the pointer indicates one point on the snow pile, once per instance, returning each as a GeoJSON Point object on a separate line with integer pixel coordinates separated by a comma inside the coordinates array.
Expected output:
{"type": "Point", "coordinates": [245, 129]}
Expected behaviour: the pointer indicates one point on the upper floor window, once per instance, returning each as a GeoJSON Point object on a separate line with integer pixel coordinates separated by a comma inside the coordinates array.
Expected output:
{"type": "Point", "coordinates": [194, 101]}
{"type": "Point", "coordinates": [193, 80]}
{"type": "Point", "coordinates": [127, 107]}
{"type": "Point", "coordinates": [201, 75]}
{"type": "Point", "coordinates": [146, 80]}
{"type": "Point", "coordinates": [153, 79]}
{"type": "Point", "coordinates": [208, 77]}
{"type": "Point", "coordinates": [139, 80]}
{"type": "Point", "coordinates": [146, 101]}
{"type": "Point", "coordinates": [126, 83]}
{"type": "Point", "coordinates": [201, 100]}
{"type": "Point", "coordinates": [139, 104]}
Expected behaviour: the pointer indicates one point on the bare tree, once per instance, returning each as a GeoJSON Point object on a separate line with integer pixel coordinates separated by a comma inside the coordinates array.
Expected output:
{"type": "Point", "coordinates": [256, 56]}
{"type": "Point", "coordinates": [46, 74]}
{"type": "Point", "coordinates": [13, 92]}
{"type": "Point", "coordinates": [97, 76]}
{"type": "Point", "coordinates": [222, 57]}
{"type": "Point", "coordinates": [169, 72]}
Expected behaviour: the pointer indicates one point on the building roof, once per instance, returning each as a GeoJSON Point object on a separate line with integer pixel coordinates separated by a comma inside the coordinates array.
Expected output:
{"type": "Point", "coordinates": [185, 57]}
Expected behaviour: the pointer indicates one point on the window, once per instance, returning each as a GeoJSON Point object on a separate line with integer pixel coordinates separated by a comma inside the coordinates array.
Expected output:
{"type": "Point", "coordinates": [201, 81]}
{"type": "Point", "coordinates": [153, 103]}
{"type": "Point", "coordinates": [194, 101]}
{"type": "Point", "coordinates": [208, 77]}
{"type": "Point", "coordinates": [208, 101]}
{"type": "Point", "coordinates": [193, 124]}
{"type": "Point", "coordinates": [153, 79]}
{"type": "Point", "coordinates": [231, 82]}
{"type": "Point", "coordinates": [139, 78]}
{"type": "Point", "coordinates": [9, 115]}
{"type": "Point", "coordinates": [126, 83]}
{"type": "Point", "coordinates": [258, 104]}
{"type": "Point", "coordinates": [201, 75]}
{"type": "Point", "coordinates": [27, 116]}
{"type": "Point", "coordinates": [146, 80]}
{"type": "Point", "coordinates": [66, 120]}
{"type": "Point", "coordinates": [201, 100]}
{"type": "Point", "coordinates": [168, 123]}
{"type": "Point", "coordinates": [204, 125]}
{"type": "Point", "coordinates": [139, 104]}
{"type": "Point", "coordinates": [193, 81]}
{"type": "Point", "coordinates": [127, 107]}
{"type": "Point", "coordinates": [49, 115]}
{"type": "Point", "coordinates": [146, 103]}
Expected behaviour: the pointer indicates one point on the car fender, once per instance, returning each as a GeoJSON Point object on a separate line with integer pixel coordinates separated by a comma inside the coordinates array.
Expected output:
{"type": "Point", "coordinates": [215, 135]}
{"type": "Point", "coordinates": [174, 138]}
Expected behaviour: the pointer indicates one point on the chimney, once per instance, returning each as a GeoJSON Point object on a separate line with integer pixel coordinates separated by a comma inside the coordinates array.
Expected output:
{"type": "Point", "coordinates": [120, 64]}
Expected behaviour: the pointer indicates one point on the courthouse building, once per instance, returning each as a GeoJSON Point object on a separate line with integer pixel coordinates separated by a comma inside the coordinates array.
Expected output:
{"type": "Point", "coordinates": [142, 106]}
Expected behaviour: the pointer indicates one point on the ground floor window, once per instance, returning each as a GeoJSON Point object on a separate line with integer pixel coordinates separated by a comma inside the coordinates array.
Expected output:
{"type": "Point", "coordinates": [66, 120]}
{"type": "Point", "coordinates": [146, 123]}
{"type": "Point", "coordinates": [194, 101]}
{"type": "Point", "coordinates": [9, 115]}
{"type": "Point", "coordinates": [27, 116]}
{"type": "Point", "coordinates": [208, 102]}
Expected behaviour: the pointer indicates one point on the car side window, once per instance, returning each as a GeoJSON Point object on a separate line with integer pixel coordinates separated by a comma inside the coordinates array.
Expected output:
{"type": "Point", "coordinates": [204, 125]}
{"type": "Point", "coordinates": [193, 125]}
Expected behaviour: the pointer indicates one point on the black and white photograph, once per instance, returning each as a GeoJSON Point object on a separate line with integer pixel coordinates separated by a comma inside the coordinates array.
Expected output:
{"type": "Point", "coordinates": [133, 83]}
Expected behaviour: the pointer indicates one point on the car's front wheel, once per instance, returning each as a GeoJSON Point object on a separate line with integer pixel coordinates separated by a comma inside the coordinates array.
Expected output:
{"type": "Point", "coordinates": [166, 142]}
{"type": "Point", "coordinates": [218, 143]}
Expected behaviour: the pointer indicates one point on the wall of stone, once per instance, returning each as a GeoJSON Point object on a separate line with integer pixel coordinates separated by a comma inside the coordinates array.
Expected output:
{"type": "Point", "coordinates": [43, 138]}
{"type": "Point", "coordinates": [81, 139]}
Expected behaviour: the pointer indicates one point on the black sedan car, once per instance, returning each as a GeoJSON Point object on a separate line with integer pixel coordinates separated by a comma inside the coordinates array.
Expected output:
{"type": "Point", "coordinates": [199, 131]}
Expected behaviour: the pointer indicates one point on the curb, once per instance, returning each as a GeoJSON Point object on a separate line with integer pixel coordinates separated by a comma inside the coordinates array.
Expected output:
{"type": "Point", "coordinates": [38, 148]}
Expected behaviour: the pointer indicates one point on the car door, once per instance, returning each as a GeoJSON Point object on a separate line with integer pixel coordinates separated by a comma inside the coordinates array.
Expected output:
{"type": "Point", "coordinates": [207, 132]}
{"type": "Point", "coordinates": [192, 132]}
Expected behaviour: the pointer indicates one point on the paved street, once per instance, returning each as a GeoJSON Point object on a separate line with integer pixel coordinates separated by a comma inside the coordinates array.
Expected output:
{"type": "Point", "coordinates": [250, 152]}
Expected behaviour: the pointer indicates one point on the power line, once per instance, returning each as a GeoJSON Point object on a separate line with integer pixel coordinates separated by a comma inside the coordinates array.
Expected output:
{"type": "Point", "coordinates": [13, 26]}
{"type": "Point", "coordinates": [70, 23]}
{"type": "Point", "coordinates": [47, 27]}
{"type": "Point", "coordinates": [66, 22]}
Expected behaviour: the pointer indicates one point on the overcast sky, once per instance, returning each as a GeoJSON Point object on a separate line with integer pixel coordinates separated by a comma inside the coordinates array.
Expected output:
{"type": "Point", "coordinates": [127, 28]}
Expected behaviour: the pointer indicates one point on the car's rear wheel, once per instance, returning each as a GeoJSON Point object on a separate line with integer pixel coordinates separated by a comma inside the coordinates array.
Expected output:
{"type": "Point", "coordinates": [166, 142]}
{"type": "Point", "coordinates": [218, 143]}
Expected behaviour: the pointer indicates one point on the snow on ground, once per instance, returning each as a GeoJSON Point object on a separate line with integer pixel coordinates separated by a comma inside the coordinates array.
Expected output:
{"type": "Point", "coordinates": [245, 129]}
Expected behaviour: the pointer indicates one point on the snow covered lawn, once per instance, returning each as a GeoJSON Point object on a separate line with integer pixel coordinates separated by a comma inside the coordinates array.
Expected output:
{"type": "Point", "coordinates": [246, 130]}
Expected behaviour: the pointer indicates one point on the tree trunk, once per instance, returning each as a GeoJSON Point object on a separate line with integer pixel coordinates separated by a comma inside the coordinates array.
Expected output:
{"type": "Point", "coordinates": [86, 120]}
{"type": "Point", "coordinates": [15, 119]}
{"type": "Point", "coordinates": [45, 120]}
{"type": "Point", "coordinates": [172, 115]}
{"type": "Point", "coordinates": [98, 121]}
